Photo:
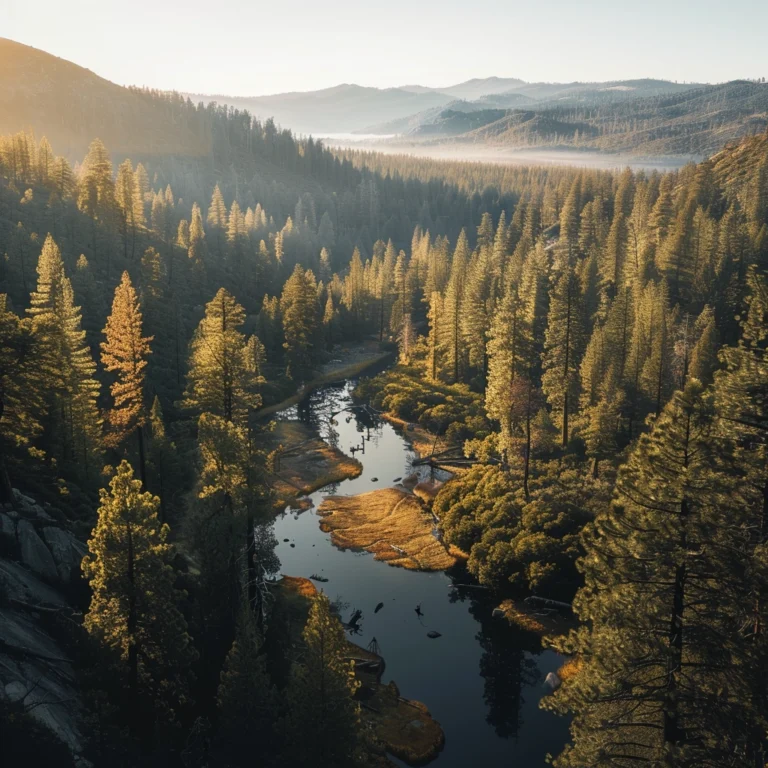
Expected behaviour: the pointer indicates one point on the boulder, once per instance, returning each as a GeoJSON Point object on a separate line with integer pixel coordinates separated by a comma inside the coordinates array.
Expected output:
{"type": "Point", "coordinates": [20, 584]}
{"type": "Point", "coordinates": [7, 526]}
{"type": "Point", "coordinates": [38, 671]}
{"type": "Point", "coordinates": [34, 554]}
{"type": "Point", "coordinates": [27, 507]}
{"type": "Point", "coordinates": [552, 681]}
{"type": "Point", "coordinates": [67, 551]}
{"type": "Point", "coordinates": [498, 613]}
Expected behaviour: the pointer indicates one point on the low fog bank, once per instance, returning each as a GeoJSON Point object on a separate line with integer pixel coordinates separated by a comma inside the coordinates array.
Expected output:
{"type": "Point", "coordinates": [506, 155]}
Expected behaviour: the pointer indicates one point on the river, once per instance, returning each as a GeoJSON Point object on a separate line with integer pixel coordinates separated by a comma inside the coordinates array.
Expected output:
{"type": "Point", "coordinates": [482, 680]}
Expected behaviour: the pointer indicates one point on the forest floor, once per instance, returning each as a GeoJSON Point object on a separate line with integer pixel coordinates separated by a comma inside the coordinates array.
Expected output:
{"type": "Point", "coordinates": [391, 523]}
{"type": "Point", "coordinates": [393, 725]}
{"type": "Point", "coordinates": [305, 464]}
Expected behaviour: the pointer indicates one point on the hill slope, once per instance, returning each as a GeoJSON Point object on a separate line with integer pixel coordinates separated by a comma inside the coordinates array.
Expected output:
{"type": "Point", "coordinates": [71, 105]}
{"type": "Point", "coordinates": [342, 109]}
{"type": "Point", "coordinates": [698, 121]}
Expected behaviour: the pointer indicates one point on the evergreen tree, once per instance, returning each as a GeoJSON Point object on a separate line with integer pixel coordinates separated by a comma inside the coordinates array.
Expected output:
{"type": "Point", "coordinates": [125, 353]}
{"type": "Point", "coordinates": [322, 726]}
{"type": "Point", "coordinates": [22, 394]}
{"type": "Point", "coordinates": [298, 308]}
{"type": "Point", "coordinates": [454, 298]}
{"type": "Point", "coordinates": [661, 682]}
{"type": "Point", "coordinates": [134, 609]}
{"type": "Point", "coordinates": [73, 426]}
{"type": "Point", "coordinates": [562, 351]}
{"type": "Point", "coordinates": [222, 380]}
{"type": "Point", "coordinates": [246, 701]}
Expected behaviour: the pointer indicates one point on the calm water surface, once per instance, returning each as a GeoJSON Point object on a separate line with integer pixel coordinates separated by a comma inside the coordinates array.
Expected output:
{"type": "Point", "coordinates": [482, 680]}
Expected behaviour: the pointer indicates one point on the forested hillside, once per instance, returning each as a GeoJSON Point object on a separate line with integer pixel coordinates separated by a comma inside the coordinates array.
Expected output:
{"type": "Point", "coordinates": [589, 345]}
{"type": "Point", "coordinates": [692, 121]}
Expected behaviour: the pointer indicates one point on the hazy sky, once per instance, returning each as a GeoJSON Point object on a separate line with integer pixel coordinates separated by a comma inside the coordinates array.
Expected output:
{"type": "Point", "coordinates": [251, 47]}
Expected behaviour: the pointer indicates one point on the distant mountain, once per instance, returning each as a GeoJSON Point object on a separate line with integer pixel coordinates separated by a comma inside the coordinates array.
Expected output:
{"type": "Point", "coordinates": [477, 88]}
{"type": "Point", "coordinates": [698, 121]}
{"type": "Point", "coordinates": [71, 106]}
{"type": "Point", "coordinates": [341, 109]}
{"type": "Point", "coordinates": [445, 121]}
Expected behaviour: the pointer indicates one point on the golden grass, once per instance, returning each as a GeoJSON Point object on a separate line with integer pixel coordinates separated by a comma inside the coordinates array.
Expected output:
{"type": "Point", "coordinates": [402, 727]}
{"type": "Point", "coordinates": [388, 522]}
{"type": "Point", "coordinates": [313, 465]}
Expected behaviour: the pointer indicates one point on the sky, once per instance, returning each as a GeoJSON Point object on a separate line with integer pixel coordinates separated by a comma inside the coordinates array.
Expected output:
{"type": "Point", "coordinates": [252, 47]}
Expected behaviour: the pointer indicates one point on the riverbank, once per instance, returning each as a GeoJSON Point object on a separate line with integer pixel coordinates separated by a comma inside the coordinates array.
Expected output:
{"type": "Point", "coordinates": [349, 363]}
{"type": "Point", "coordinates": [392, 724]}
{"type": "Point", "coordinates": [304, 463]}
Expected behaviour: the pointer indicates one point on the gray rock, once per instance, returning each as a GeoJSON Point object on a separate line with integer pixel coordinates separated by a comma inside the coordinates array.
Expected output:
{"type": "Point", "coordinates": [67, 551]}
{"type": "Point", "coordinates": [7, 526]}
{"type": "Point", "coordinates": [498, 613]}
{"type": "Point", "coordinates": [21, 584]}
{"type": "Point", "coordinates": [28, 507]}
{"type": "Point", "coordinates": [34, 554]}
{"type": "Point", "coordinates": [552, 681]}
{"type": "Point", "coordinates": [39, 673]}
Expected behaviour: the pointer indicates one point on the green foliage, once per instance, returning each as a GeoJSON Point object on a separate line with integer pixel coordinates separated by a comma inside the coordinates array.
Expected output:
{"type": "Point", "coordinates": [134, 609]}
{"type": "Point", "coordinates": [322, 725]}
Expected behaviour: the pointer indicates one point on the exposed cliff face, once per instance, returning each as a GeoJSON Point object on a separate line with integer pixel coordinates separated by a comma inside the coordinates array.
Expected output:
{"type": "Point", "coordinates": [39, 561]}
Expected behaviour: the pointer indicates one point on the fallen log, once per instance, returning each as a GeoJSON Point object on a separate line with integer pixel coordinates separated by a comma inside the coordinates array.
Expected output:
{"type": "Point", "coordinates": [547, 601]}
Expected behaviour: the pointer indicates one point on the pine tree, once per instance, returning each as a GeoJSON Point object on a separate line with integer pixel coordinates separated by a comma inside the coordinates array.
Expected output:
{"type": "Point", "coordinates": [322, 727]}
{"type": "Point", "coordinates": [562, 351]}
{"type": "Point", "coordinates": [73, 424]}
{"type": "Point", "coordinates": [217, 218]}
{"type": "Point", "coordinates": [134, 607]}
{"type": "Point", "coordinates": [97, 189]}
{"type": "Point", "coordinates": [246, 701]}
{"type": "Point", "coordinates": [221, 378]}
{"type": "Point", "coordinates": [298, 308]}
{"type": "Point", "coordinates": [22, 394]}
{"type": "Point", "coordinates": [661, 682]}
{"type": "Point", "coordinates": [125, 353]}
{"type": "Point", "coordinates": [130, 205]}
{"type": "Point", "coordinates": [454, 298]}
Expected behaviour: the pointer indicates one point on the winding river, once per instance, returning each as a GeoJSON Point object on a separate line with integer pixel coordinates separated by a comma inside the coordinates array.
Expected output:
{"type": "Point", "coordinates": [482, 679]}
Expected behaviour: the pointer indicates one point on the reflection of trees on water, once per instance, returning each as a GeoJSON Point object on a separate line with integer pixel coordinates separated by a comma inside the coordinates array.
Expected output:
{"type": "Point", "coordinates": [507, 664]}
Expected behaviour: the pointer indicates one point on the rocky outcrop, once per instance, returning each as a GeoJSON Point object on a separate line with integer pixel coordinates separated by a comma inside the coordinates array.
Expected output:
{"type": "Point", "coordinates": [39, 560]}
{"type": "Point", "coordinates": [34, 554]}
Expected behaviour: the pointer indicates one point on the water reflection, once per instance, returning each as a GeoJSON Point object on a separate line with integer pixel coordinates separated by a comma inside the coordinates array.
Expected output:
{"type": "Point", "coordinates": [480, 678]}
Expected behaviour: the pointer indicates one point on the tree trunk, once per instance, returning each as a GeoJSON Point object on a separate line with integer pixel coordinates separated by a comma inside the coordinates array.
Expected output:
{"type": "Point", "coordinates": [142, 459]}
{"type": "Point", "coordinates": [133, 649]}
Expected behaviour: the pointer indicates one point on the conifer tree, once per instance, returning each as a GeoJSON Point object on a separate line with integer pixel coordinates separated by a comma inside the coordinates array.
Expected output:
{"type": "Point", "coordinates": [125, 353]}
{"type": "Point", "coordinates": [22, 394]}
{"type": "Point", "coordinates": [563, 347]}
{"type": "Point", "coordinates": [217, 218]}
{"type": "Point", "coordinates": [661, 682]}
{"type": "Point", "coordinates": [454, 297]}
{"type": "Point", "coordinates": [246, 701]}
{"type": "Point", "coordinates": [322, 727]}
{"type": "Point", "coordinates": [134, 608]}
{"type": "Point", "coordinates": [298, 308]}
{"type": "Point", "coordinates": [222, 379]}
{"type": "Point", "coordinates": [130, 205]}
{"type": "Point", "coordinates": [97, 189]}
{"type": "Point", "coordinates": [73, 423]}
